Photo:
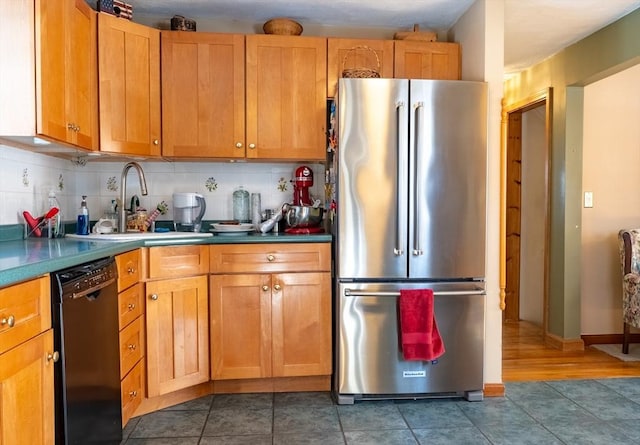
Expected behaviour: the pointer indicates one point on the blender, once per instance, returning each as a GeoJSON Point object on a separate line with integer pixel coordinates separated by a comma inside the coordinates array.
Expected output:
{"type": "Point", "coordinates": [188, 210]}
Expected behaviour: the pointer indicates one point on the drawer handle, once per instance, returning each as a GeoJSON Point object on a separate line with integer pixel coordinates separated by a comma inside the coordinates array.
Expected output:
{"type": "Point", "coordinates": [154, 297]}
{"type": "Point", "coordinates": [265, 288]}
{"type": "Point", "coordinates": [271, 258]}
{"type": "Point", "coordinates": [277, 287]}
{"type": "Point", "coordinates": [133, 394]}
{"type": "Point", "coordinates": [132, 347]}
{"type": "Point", "coordinates": [55, 356]}
{"type": "Point", "coordinates": [131, 306]}
{"type": "Point", "coordinates": [10, 321]}
{"type": "Point", "coordinates": [131, 270]}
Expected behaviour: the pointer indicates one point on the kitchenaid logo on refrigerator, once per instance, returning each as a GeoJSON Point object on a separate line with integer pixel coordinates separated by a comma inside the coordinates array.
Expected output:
{"type": "Point", "coordinates": [413, 374]}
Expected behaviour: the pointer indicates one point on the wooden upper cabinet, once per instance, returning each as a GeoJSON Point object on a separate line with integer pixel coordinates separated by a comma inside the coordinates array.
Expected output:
{"type": "Point", "coordinates": [352, 53]}
{"type": "Point", "coordinates": [129, 84]}
{"type": "Point", "coordinates": [203, 95]}
{"type": "Point", "coordinates": [66, 72]}
{"type": "Point", "coordinates": [426, 60]}
{"type": "Point", "coordinates": [286, 97]}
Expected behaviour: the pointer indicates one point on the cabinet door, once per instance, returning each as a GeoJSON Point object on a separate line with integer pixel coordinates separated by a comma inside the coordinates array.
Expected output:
{"type": "Point", "coordinates": [26, 393]}
{"type": "Point", "coordinates": [129, 86]}
{"type": "Point", "coordinates": [177, 334]}
{"type": "Point", "coordinates": [240, 326]}
{"type": "Point", "coordinates": [426, 60]}
{"type": "Point", "coordinates": [66, 72]}
{"type": "Point", "coordinates": [286, 97]}
{"type": "Point", "coordinates": [301, 305]}
{"type": "Point", "coordinates": [202, 95]}
{"type": "Point", "coordinates": [352, 53]}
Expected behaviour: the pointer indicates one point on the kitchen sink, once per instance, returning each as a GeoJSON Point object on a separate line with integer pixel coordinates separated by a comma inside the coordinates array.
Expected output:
{"type": "Point", "coordinates": [133, 236]}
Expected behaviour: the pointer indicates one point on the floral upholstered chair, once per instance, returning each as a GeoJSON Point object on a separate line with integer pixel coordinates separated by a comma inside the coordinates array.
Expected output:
{"type": "Point", "coordinates": [629, 244]}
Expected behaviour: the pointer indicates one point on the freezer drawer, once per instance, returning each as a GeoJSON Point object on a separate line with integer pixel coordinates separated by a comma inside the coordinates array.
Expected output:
{"type": "Point", "coordinates": [369, 362]}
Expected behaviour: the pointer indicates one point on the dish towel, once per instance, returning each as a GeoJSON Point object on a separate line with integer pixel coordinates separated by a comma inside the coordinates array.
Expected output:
{"type": "Point", "coordinates": [419, 334]}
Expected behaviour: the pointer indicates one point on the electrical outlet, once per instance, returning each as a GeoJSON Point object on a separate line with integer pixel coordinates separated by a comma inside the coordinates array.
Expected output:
{"type": "Point", "coordinates": [588, 200]}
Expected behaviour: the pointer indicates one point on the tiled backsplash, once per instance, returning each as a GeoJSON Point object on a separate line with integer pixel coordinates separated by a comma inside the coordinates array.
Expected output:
{"type": "Point", "coordinates": [26, 178]}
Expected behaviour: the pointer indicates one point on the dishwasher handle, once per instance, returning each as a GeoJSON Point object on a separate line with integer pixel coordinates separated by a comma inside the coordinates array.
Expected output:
{"type": "Point", "coordinates": [92, 290]}
{"type": "Point", "coordinates": [358, 293]}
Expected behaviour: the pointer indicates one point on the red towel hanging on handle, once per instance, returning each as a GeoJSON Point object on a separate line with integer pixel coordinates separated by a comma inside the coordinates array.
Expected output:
{"type": "Point", "coordinates": [419, 334]}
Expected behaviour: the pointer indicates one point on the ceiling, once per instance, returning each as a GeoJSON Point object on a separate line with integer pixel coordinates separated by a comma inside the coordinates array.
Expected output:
{"type": "Point", "coordinates": [534, 29]}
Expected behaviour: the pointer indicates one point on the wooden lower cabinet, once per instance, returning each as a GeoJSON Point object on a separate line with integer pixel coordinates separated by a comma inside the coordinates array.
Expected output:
{"type": "Point", "coordinates": [177, 332]}
{"type": "Point", "coordinates": [26, 392]}
{"type": "Point", "coordinates": [267, 325]}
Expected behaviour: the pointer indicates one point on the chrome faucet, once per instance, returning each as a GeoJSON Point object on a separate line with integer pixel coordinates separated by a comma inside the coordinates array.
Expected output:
{"type": "Point", "coordinates": [122, 212]}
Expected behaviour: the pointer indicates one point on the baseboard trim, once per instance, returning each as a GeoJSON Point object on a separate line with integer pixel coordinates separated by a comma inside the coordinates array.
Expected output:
{"type": "Point", "coordinates": [608, 339]}
{"type": "Point", "coordinates": [563, 344]}
{"type": "Point", "coordinates": [494, 390]}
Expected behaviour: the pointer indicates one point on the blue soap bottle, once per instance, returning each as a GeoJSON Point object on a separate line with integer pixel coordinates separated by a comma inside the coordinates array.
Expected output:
{"type": "Point", "coordinates": [82, 226]}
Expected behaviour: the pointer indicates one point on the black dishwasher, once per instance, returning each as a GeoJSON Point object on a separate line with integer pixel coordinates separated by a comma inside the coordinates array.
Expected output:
{"type": "Point", "coordinates": [87, 376]}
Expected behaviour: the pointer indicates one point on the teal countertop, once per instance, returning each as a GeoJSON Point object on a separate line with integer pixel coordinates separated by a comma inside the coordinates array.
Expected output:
{"type": "Point", "coordinates": [25, 259]}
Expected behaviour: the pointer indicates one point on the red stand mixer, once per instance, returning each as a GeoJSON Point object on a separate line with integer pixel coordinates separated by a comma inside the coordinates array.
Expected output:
{"type": "Point", "coordinates": [302, 182]}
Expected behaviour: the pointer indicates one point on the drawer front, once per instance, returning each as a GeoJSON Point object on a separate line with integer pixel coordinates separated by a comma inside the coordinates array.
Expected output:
{"type": "Point", "coordinates": [25, 311]}
{"type": "Point", "coordinates": [130, 303]}
{"type": "Point", "coordinates": [131, 345]}
{"type": "Point", "coordinates": [128, 265]}
{"type": "Point", "coordinates": [178, 261]}
{"type": "Point", "coordinates": [259, 258]}
{"type": "Point", "coordinates": [132, 392]}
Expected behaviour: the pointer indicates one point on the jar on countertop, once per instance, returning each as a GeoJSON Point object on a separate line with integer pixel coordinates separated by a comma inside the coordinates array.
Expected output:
{"type": "Point", "coordinates": [241, 205]}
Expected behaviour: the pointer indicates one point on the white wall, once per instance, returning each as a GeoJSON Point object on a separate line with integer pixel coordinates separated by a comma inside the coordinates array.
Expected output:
{"type": "Point", "coordinates": [532, 226]}
{"type": "Point", "coordinates": [25, 180]}
{"type": "Point", "coordinates": [611, 159]}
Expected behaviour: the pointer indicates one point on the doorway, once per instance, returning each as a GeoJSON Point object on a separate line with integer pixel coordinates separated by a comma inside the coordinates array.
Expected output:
{"type": "Point", "coordinates": [526, 219]}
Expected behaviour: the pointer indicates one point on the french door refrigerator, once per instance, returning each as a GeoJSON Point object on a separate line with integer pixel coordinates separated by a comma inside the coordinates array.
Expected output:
{"type": "Point", "coordinates": [411, 209]}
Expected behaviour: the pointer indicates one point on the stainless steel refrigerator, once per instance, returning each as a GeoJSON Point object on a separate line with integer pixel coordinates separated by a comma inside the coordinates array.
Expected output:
{"type": "Point", "coordinates": [411, 213]}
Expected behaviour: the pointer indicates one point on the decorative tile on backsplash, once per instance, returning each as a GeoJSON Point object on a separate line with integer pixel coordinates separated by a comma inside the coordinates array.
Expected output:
{"type": "Point", "coordinates": [112, 185]}
{"type": "Point", "coordinates": [282, 185]}
{"type": "Point", "coordinates": [60, 182]}
{"type": "Point", "coordinates": [25, 177]}
{"type": "Point", "coordinates": [211, 184]}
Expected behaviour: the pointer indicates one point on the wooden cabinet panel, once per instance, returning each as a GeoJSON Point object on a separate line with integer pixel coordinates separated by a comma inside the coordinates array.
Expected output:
{"type": "Point", "coordinates": [301, 305]}
{"type": "Point", "coordinates": [203, 111]}
{"type": "Point", "coordinates": [426, 60]}
{"type": "Point", "coordinates": [286, 97]}
{"type": "Point", "coordinates": [177, 332]}
{"type": "Point", "coordinates": [128, 265]}
{"type": "Point", "coordinates": [357, 55]}
{"type": "Point", "coordinates": [131, 345]}
{"type": "Point", "coordinates": [130, 304]}
{"type": "Point", "coordinates": [66, 72]}
{"type": "Point", "coordinates": [178, 261]}
{"type": "Point", "coordinates": [25, 311]}
{"type": "Point", "coordinates": [129, 86]}
{"type": "Point", "coordinates": [26, 393]}
{"type": "Point", "coordinates": [132, 391]}
{"type": "Point", "coordinates": [240, 326]}
{"type": "Point", "coordinates": [298, 257]}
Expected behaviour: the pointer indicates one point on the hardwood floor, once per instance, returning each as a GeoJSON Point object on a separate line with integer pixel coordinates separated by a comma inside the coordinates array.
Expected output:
{"type": "Point", "coordinates": [526, 358]}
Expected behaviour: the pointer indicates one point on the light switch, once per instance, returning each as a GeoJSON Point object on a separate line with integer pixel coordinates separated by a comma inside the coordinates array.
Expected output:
{"type": "Point", "coordinates": [588, 200]}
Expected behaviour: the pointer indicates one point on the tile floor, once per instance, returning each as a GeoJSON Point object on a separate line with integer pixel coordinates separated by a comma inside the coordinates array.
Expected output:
{"type": "Point", "coordinates": [604, 411]}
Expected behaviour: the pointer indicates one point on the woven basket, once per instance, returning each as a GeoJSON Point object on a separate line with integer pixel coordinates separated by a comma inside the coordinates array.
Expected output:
{"type": "Point", "coordinates": [283, 27]}
{"type": "Point", "coordinates": [361, 62]}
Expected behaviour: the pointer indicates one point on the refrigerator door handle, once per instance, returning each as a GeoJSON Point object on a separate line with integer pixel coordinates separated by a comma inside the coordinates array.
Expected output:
{"type": "Point", "coordinates": [355, 293]}
{"type": "Point", "coordinates": [417, 248]}
{"type": "Point", "coordinates": [397, 251]}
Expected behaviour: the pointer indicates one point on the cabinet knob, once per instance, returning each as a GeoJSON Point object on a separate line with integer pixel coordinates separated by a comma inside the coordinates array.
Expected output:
{"type": "Point", "coordinates": [156, 142]}
{"type": "Point", "coordinates": [238, 144]}
{"type": "Point", "coordinates": [131, 270]}
{"type": "Point", "coordinates": [55, 356]}
{"type": "Point", "coordinates": [132, 347]}
{"type": "Point", "coordinates": [133, 394]}
{"type": "Point", "coordinates": [8, 321]}
{"type": "Point", "coordinates": [271, 258]}
{"type": "Point", "coordinates": [77, 129]}
{"type": "Point", "coordinates": [154, 297]}
{"type": "Point", "coordinates": [252, 146]}
{"type": "Point", "coordinates": [277, 287]}
{"type": "Point", "coordinates": [131, 306]}
{"type": "Point", "coordinates": [265, 288]}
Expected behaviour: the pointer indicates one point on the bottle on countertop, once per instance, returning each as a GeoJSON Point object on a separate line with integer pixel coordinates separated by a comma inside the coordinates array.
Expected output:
{"type": "Point", "coordinates": [55, 225]}
{"type": "Point", "coordinates": [82, 226]}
